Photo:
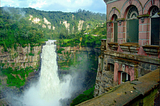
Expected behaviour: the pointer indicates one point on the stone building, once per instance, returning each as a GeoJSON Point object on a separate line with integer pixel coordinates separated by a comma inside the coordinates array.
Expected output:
{"type": "Point", "coordinates": [132, 47]}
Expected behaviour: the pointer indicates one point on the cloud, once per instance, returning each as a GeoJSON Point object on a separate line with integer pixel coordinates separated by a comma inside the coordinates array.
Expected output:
{"type": "Point", "coordinates": [58, 5]}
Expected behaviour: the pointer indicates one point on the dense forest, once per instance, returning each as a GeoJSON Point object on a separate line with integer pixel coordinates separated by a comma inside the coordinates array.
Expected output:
{"type": "Point", "coordinates": [28, 25]}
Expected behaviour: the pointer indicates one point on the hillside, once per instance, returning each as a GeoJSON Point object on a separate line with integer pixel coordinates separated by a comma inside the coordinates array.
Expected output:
{"type": "Point", "coordinates": [55, 22]}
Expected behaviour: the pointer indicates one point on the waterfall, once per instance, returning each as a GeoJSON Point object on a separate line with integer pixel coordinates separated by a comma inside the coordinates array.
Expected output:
{"type": "Point", "coordinates": [49, 90]}
{"type": "Point", "coordinates": [49, 80]}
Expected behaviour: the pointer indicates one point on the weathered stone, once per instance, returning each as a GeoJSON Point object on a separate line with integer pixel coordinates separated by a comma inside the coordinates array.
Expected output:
{"type": "Point", "coordinates": [153, 67]}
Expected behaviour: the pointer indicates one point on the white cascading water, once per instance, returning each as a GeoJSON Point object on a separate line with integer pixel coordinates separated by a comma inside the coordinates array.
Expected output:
{"type": "Point", "coordinates": [49, 90]}
{"type": "Point", "coordinates": [49, 80]}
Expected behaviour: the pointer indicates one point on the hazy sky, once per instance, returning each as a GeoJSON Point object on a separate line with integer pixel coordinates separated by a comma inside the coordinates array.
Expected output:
{"type": "Point", "coordinates": [58, 5]}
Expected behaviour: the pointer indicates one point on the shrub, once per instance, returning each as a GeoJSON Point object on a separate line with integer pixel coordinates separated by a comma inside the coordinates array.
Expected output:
{"type": "Point", "coordinates": [88, 94]}
{"type": "Point", "coordinates": [31, 54]}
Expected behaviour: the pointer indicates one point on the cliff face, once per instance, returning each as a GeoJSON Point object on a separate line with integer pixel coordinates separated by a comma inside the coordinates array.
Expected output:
{"type": "Point", "coordinates": [22, 57]}
{"type": "Point", "coordinates": [68, 56]}
{"type": "Point", "coordinates": [80, 62]}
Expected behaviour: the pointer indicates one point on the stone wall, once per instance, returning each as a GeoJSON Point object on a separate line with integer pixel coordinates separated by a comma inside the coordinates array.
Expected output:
{"type": "Point", "coordinates": [145, 91]}
{"type": "Point", "coordinates": [111, 65]}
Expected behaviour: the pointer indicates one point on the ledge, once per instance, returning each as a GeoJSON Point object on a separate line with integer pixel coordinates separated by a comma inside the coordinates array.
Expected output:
{"type": "Point", "coordinates": [120, 19]}
{"type": "Point", "coordinates": [130, 44]}
{"type": "Point", "coordinates": [133, 57]}
{"type": "Point", "coordinates": [127, 92]}
{"type": "Point", "coordinates": [143, 16]}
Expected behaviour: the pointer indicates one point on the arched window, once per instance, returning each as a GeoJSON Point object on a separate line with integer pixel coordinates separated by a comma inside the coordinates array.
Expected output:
{"type": "Point", "coordinates": [132, 12]}
{"type": "Point", "coordinates": [132, 25]}
{"type": "Point", "coordinates": [155, 26]}
{"type": "Point", "coordinates": [154, 11]}
{"type": "Point", "coordinates": [115, 27]}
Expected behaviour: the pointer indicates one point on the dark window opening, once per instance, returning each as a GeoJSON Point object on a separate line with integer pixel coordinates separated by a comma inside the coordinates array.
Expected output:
{"type": "Point", "coordinates": [155, 31]}
{"type": "Point", "coordinates": [125, 77]}
{"type": "Point", "coordinates": [115, 27]}
{"type": "Point", "coordinates": [110, 67]}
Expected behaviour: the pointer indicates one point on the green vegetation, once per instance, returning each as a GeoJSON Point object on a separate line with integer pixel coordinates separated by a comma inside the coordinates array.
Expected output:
{"type": "Point", "coordinates": [144, 15]}
{"type": "Point", "coordinates": [15, 24]}
{"type": "Point", "coordinates": [17, 30]}
{"type": "Point", "coordinates": [120, 19]}
{"type": "Point", "coordinates": [31, 54]}
{"type": "Point", "coordinates": [16, 77]}
{"type": "Point", "coordinates": [84, 39]}
{"type": "Point", "coordinates": [14, 32]}
{"type": "Point", "coordinates": [88, 94]}
{"type": "Point", "coordinates": [60, 50]}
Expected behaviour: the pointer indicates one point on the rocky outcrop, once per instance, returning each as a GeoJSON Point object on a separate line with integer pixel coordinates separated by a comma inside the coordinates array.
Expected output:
{"type": "Point", "coordinates": [65, 53]}
{"type": "Point", "coordinates": [80, 25]}
{"type": "Point", "coordinates": [67, 25]}
{"type": "Point", "coordinates": [21, 57]}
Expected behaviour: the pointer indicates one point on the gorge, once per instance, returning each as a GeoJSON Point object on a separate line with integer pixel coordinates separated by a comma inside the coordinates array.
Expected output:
{"type": "Point", "coordinates": [21, 44]}
{"type": "Point", "coordinates": [58, 86]}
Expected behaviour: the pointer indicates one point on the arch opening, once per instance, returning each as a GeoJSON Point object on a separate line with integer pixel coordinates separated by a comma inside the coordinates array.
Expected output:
{"type": "Point", "coordinates": [115, 25]}
{"type": "Point", "coordinates": [132, 24]}
{"type": "Point", "coordinates": [155, 25]}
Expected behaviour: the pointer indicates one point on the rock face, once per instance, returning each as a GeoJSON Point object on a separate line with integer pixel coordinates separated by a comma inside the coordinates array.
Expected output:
{"type": "Point", "coordinates": [22, 57]}
{"type": "Point", "coordinates": [69, 53]}
{"type": "Point", "coordinates": [67, 25]}
{"type": "Point", "coordinates": [80, 25]}
{"type": "Point", "coordinates": [83, 61]}
{"type": "Point", "coordinates": [19, 57]}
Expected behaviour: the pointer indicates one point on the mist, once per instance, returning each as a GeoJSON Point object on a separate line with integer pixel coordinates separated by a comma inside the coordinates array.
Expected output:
{"type": "Point", "coordinates": [50, 89]}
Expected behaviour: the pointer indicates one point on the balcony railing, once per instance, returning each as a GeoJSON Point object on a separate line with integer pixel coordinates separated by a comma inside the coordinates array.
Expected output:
{"type": "Point", "coordinates": [131, 48]}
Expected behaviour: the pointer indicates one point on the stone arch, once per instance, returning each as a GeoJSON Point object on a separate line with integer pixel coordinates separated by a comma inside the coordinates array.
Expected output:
{"type": "Point", "coordinates": [152, 8]}
{"type": "Point", "coordinates": [131, 16]}
{"type": "Point", "coordinates": [112, 12]}
{"type": "Point", "coordinates": [132, 11]}
{"type": "Point", "coordinates": [114, 17]}
{"type": "Point", "coordinates": [127, 4]}
{"type": "Point", "coordinates": [149, 4]}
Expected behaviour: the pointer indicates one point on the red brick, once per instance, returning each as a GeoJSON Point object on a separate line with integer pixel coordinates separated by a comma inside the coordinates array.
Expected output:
{"type": "Point", "coordinates": [140, 28]}
{"type": "Point", "coordinates": [108, 36]}
{"type": "Point", "coordinates": [112, 35]}
{"type": "Point", "coordinates": [143, 35]}
{"type": "Point", "coordinates": [123, 23]}
{"type": "Point", "coordinates": [120, 35]}
{"type": "Point", "coordinates": [108, 40]}
{"type": "Point", "coordinates": [140, 42]}
{"type": "Point", "coordinates": [134, 3]}
{"type": "Point", "coordinates": [157, 2]}
{"type": "Point", "coordinates": [119, 41]}
{"type": "Point", "coordinates": [120, 29]}
{"type": "Point", "coordinates": [145, 42]}
{"type": "Point", "coordinates": [146, 20]}
{"type": "Point", "coordinates": [149, 5]}
{"type": "Point", "coordinates": [145, 11]}
{"type": "Point", "coordinates": [124, 29]}
{"type": "Point", "coordinates": [146, 27]}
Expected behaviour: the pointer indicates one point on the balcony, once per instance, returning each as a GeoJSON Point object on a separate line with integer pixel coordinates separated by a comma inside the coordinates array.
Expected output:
{"type": "Point", "coordinates": [131, 51]}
